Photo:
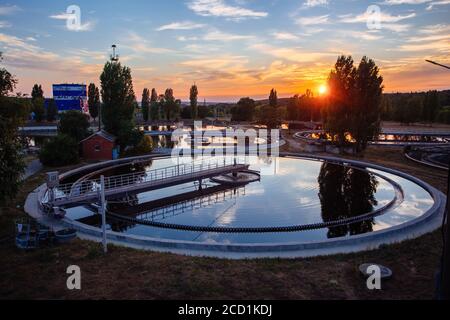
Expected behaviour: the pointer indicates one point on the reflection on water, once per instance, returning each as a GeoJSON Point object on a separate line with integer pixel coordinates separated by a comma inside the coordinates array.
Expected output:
{"type": "Point", "coordinates": [346, 192]}
{"type": "Point", "coordinates": [296, 192]}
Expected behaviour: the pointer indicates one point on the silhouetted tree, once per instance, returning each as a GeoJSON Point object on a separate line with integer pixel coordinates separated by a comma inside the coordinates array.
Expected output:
{"type": "Point", "coordinates": [119, 100]}
{"type": "Point", "coordinates": [145, 104]}
{"type": "Point", "coordinates": [273, 98]}
{"type": "Point", "coordinates": [7, 80]}
{"type": "Point", "coordinates": [93, 100]}
{"type": "Point", "coordinates": [193, 97]}
{"type": "Point", "coordinates": [244, 110]}
{"type": "Point", "coordinates": [74, 124]}
{"type": "Point", "coordinates": [52, 110]}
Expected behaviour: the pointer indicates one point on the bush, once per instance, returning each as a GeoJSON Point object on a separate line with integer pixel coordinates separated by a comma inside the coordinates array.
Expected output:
{"type": "Point", "coordinates": [62, 150]}
{"type": "Point", "coordinates": [74, 124]}
{"type": "Point", "coordinates": [145, 146]}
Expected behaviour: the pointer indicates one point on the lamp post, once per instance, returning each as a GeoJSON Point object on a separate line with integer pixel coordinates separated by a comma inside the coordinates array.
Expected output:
{"type": "Point", "coordinates": [444, 292]}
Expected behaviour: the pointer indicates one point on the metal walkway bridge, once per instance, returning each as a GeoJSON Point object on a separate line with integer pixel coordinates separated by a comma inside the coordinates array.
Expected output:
{"type": "Point", "coordinates": [115, 186]}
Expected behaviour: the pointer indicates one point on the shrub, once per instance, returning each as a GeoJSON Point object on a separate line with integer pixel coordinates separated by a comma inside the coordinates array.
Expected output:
{"type": "Point", "coordinates": [62, 150]}
{"type": "Point", "coordinates": [145, 146]}
{"type": "Point", "coordinates": [74, 124]}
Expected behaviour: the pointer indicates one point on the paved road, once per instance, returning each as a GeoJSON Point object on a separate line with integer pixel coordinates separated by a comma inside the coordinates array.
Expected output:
{"type": "Point", "coordinates": [33, 167]}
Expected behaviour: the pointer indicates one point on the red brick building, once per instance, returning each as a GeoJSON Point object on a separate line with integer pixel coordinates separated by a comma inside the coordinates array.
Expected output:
{"type": "Point", "coordinates": [99, 146]}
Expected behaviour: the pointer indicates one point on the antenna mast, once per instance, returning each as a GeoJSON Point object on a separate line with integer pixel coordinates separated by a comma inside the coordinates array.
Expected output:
{"type": "Point", "coordinates": [114, 57]}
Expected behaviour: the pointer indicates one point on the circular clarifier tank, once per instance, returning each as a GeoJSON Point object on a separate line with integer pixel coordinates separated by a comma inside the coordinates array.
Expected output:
{"type": "Point", "coordinates": [296, 203]}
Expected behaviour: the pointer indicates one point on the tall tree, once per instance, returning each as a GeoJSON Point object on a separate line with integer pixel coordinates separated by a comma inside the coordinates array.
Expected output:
{"type": "Point", "coordinates": [145, 103]}
{"type": "Point", "coordinates": [341, 84]}
{"type": "Point", "coordinates": [193, 97]}
{"type": "Point", "coordinates": [119, 100]}
{"type": "Point", "coordinates": [74, 124]}
{"type": "Point", "coordinates": [244, 110]}
{"type": "Point", "coordinates": [431, 106]}
{"type": "Point", "coordinates": [37, 92]}
{"type": "Point", "coordinates": [273, 98]}
{"type": "Point", "coordinates": [93, 100]}
{"type": "Point", "coordinates": [13, 112]}
{"type": "Point", "coordinates": [52, 110]}
{"type": "Point", "coordinates": [7, 80]}
{"type": "Point", "coordinates": [366, 111]}
{"type": "Point", "coordinates": [155, 112]}
{"type": "Point", "coordinates": [355, 101]}
{"type": "Point", "coordinates": [39, 109]}
{"type": "Point", "coordinates": [171, 105]}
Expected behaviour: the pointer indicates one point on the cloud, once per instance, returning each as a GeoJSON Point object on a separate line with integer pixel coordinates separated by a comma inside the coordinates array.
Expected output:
{"type": "Point", "coordinates": [4, 24]}
{"type": "Point", "coordinates": [184, 25]}
{"type": "Point", "coordinates": [438, 3]}
{"type": "Point", "coordinates": [398, 2]}
{"type": "Point", "coordinates": [140, 45]}
{"type": "Point", "coordinates": [217, 35]}
{"type": "Point", "coordinates": [285, 36]}
{"type": "Point", "coordinates": [292, 54]}
{"type": "Point", "coordinates": [219, 8]}
{"type": "Point", "coordinates": [314, 20]}
{"type": "Point", "coordinates": [7, 10]}
{"type": "Point", "coordinates": [315, 3]}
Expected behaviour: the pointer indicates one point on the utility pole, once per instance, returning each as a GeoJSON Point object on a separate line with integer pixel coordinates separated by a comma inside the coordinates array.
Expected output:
{"type": "Point", "coordinates": [103, 212]}
{"type": "Point", "coordinates": [444, 292]}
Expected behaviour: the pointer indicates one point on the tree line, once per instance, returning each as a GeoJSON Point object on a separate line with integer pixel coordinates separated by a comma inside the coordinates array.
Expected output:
{"type": "Point", "coordinates": [425, 107]}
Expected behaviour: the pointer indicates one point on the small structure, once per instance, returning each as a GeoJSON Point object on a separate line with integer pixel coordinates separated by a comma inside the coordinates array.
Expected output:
{"type": "Point", "coordinates": [99, 146]}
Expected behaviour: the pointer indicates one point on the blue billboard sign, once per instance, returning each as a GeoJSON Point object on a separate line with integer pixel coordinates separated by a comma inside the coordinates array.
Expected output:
{"type": "Point", "coordinates": [70, 97]}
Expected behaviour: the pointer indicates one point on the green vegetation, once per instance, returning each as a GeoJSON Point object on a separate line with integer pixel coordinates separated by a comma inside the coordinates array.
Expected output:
{"type": "Point", "coordinates": [74, 124]}
{"type": "Point", "coordinates": [244, 110]}
{"type": "Point", "coordinates": [193, 97]}
{"type": "Point", "coordinates": [143, 147]}
{"type": "Point", "coordinates": [354, 103]}
{"type": "Point", "coordinates": [93, 100]}
{"type": "Point", "coordinates": [13, 112]}
{"type": "Point", "coordinates": [145, 104]}
{"type": "Point", "coordinates": [425, 107]}
{"type": "Point", "coordinates": [52, 110]}
{"type": "Point", "coordinates": [61, 150]}
{"type": "Point", "coordinates": [119, 100]}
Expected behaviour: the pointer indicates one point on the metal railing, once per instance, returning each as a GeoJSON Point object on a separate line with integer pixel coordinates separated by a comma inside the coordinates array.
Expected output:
{"type": "Point", "coordinates": [92, 186]}
{"type": "Point", "coordinates": [173, 210]}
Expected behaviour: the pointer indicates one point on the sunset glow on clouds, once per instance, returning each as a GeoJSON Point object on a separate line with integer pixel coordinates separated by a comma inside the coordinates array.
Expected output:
{"type": "Point", "coordinates": [229, 48]}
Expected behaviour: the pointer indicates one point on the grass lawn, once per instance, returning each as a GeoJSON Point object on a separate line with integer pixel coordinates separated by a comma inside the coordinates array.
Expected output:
{"type": "Point", "coordinates": [131, 274]}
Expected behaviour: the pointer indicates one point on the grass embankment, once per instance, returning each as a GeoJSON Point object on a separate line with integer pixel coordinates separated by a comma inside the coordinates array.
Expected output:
{"type": "Point", "coordinates": [129, 274]}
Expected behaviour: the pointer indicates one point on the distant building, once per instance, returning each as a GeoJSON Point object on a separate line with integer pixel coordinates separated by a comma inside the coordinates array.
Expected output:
{"type": "Point", "coordinates": [70, 97]}
{"type": "Point", "coordinates": [99, 146]}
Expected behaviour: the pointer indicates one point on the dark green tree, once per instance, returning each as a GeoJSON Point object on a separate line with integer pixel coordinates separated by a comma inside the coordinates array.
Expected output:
{"type": "Point", "coordinates": [155, 112]}
{"type": "Point", "coordinates": [52, 110]}
{"type": "Point", "coordinates": [37, 92]}
{"type": "Point", "coordinates": [119, 100]}
{"type": "Point", "coordinates": [61, 150]}
{"type": "Point", "coordinates": [193, 97]}
{"type": "Point", "coordinates": [74, 124]}
{"type": "Point", "coordinates": [273, 98]}
{"type": "Point", "coordinates": [171, 105]}
{"type": "Point", "coordinates": [7, 80]}
{"type": "Point", "coordinates": [341, 85]}
{"type": "Point", "coordinates": [365, 114]}
{"type": "Point", "coordinates": [145, 104]}
{"type": "Point", "coordinates": [93, 100]}
{"type": "Point", "coordinates": [244, 110]}
{"type": "Point", "coordinates": [13, 113]}
{"type": "Point", "coordinates": [39, 109]}
{"type": "Point", "coordinates": [431, 106]}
